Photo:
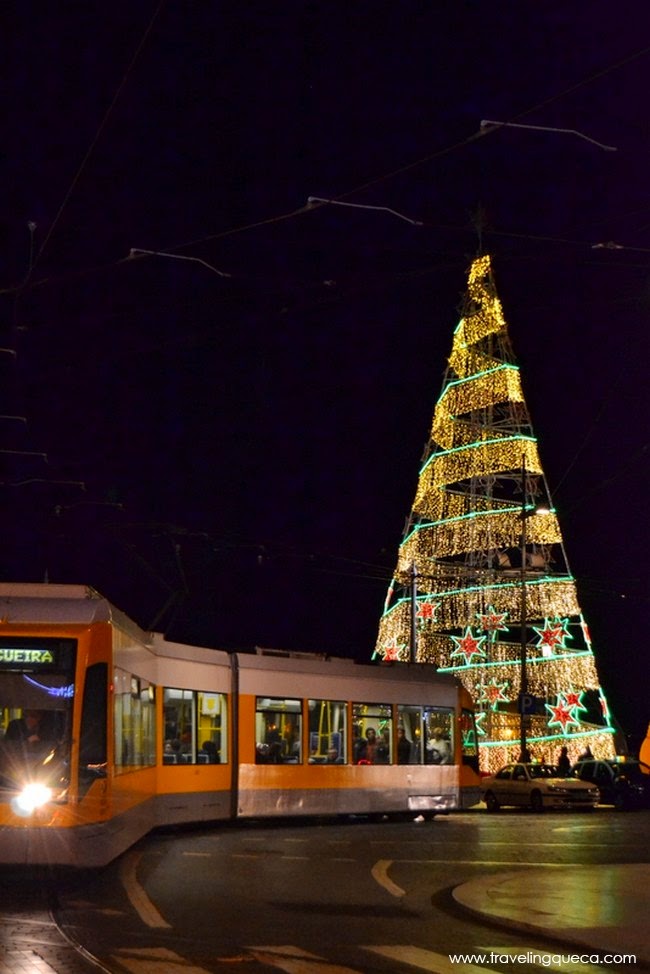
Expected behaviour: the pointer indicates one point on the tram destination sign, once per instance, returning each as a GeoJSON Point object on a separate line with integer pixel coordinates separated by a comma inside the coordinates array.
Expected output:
{"type": "Point", "coordinates": [16, 657]}
{"type": "Point", "coordinates": [37, 654]}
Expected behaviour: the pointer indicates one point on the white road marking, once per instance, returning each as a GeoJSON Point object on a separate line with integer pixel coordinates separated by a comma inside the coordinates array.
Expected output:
{"type": "Point", "coordinates": [379, 873]}
{"type": "Point", "coordinates": [136, 894]}
{"type": "Point", "coordinates": [294, 960]}
{"type": "Point", "coordinates": [156, 960]}
{"type": "Point", "coordinates": [428, 960]}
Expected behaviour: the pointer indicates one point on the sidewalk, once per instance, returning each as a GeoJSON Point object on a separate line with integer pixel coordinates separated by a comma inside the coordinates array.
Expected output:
{"type": "Point", "coordinates": [603, 909]}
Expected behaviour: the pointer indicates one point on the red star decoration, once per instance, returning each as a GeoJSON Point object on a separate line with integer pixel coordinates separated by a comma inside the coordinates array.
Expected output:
{"type": "Point", "coordinates": [553, 634]}
{"type": "Point", "coordinates": [392, 651]}
{"type": "Point", "coordinates": [426, 611]}
{"type": "Point", "coordinates": [468, 646]}
{"type": "Point", "coordinates": [562, 716]}
{"type": "Point", "coordinates": [551, 637]}
{"type": "Point", "coordinates": [492, 693]}
{"type": "Point", "coordinates": [492, 620]}
{"type": "Point", "coordinates": [572, 700]}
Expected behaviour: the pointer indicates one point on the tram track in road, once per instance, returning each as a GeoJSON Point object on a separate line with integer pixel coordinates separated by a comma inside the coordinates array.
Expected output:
{"type": "Point", "coordinates": [276, 901]}
{"type": "Point", "coordinates": [34, 943]}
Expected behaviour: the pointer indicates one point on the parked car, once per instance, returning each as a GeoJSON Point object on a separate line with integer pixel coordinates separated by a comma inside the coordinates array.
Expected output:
{"type": "Point", "coordinates": [623, 784]}
{"type": "Point", "coordinates": [537, 786]}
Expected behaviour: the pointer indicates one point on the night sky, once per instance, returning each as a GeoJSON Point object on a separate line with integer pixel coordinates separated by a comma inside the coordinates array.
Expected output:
{"type": "Point", "coordinates": [231, 459]}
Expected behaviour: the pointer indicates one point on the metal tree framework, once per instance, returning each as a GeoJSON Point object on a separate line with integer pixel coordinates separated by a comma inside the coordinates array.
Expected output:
{"type": "Point", "coordinates": [482, 586]}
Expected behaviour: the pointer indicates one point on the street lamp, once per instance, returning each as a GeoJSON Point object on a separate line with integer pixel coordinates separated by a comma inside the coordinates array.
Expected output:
{"type": "Point", "coordinates": [526, 512]}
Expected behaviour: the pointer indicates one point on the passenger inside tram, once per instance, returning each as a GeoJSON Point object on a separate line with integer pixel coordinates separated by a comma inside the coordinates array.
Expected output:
{"type": "Point", "coordinates": [404, 747]}
{"type": "Point", "coordinates": [31, 728]}
{"type": "Point", "coordinates": [34, 727]}
{"type": "Point", "coordinates": [438, 748]}
{"type": "Point", "coordinates": [209, 749]}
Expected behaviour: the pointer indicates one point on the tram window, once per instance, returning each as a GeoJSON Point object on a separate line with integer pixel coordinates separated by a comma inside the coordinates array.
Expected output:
{"type": "Point", "coordinates": [195, 727]}
{"type": "Point", "coordinates": [212, 738]}
{"type": "Point", "coordinates": [278, 731]}
{"type": "Point", "coordinates": [135, 721]}
{"type": "Point", "coordinates": [410, 737]}
{"type": "Point", "coordinates": [438, 726]}
{"type": "Point", "coordinates": [372, 728]}
{"type": "Point", "coordinates": [327, 737]}
{"type": "Point", "coordinates": [37, 674]}
{"type": "Point", "coordinates": [179, 707]}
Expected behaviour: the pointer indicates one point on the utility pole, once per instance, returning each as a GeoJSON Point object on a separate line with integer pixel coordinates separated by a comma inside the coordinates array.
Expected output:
{"type": "Point", "coordinates": [523, 688]}
{"type": "Point", "coordinates": [413, 643]}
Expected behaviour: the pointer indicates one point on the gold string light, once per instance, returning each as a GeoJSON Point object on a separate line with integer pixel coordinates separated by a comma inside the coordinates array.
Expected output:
{"type": "Point", "coordinates": [501, 384]}
{"type": "Point", "coordinates": [458, 608]}
{"type": "Point", "coordinates": [485, 530]}
{"type": "Point", "coordinates": [476, 460]}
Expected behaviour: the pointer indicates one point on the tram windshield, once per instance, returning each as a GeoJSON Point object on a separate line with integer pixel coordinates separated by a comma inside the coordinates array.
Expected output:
{"type": "Point", "coordinates": [36, 694]}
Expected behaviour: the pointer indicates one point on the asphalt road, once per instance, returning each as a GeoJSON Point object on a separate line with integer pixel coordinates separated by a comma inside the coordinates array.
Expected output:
{"type": "Point", "coordinates": [372, 898]}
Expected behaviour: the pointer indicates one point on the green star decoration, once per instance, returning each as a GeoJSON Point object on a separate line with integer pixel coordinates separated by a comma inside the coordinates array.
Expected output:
{"type": "Point", "coordinates": [480, 717]}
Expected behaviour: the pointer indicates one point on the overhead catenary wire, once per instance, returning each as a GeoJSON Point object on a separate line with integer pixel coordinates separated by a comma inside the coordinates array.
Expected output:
{"type": "Point", "coordinates": [445, 150]}
{"type": "Point", "coordinates": [305, 210]}
{"type": "Point", "coordinates": [488, 124]}
{"type": "Point", "coordinates": [34, 258]}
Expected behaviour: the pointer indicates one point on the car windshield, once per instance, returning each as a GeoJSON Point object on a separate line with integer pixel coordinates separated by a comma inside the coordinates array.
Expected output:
{"type": "Point", "coordinates": [543, 771]}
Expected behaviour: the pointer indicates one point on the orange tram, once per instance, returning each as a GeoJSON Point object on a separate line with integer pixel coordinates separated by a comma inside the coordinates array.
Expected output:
{"type": "Point", "coordinates": [107, 732]}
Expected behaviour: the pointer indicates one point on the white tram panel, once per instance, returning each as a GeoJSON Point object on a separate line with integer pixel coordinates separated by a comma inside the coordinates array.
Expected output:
{"type": "Point", "coordinates": [184, 667]}
{"type": "Point", "coordinates": [22, 603]}
{"type": "Point", "coordinates": [325, 678]}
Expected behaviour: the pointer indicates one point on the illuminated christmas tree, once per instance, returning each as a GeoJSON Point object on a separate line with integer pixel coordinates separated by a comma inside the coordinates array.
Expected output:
{"type": "Point", "coordinates": [482, 587]}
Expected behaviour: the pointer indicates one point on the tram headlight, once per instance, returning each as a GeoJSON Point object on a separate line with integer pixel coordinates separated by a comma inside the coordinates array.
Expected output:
{"type": "Point", "coordinates": [32, 796]}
